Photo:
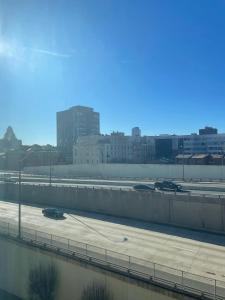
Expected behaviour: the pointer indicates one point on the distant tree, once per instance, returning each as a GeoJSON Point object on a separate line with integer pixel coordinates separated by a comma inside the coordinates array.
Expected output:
{"type": "Point", "coordinates": [96, 291]}
{"type": "Point", "coordinates": [43, 281]}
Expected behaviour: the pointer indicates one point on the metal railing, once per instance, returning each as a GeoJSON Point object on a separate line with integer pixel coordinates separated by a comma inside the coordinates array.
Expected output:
{"type": "Point", "coordinates": [181, 281]}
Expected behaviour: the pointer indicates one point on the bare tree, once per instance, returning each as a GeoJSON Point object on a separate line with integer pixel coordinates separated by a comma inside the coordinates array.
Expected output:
{"type": "Point", "coordinates": [43, 282]}
{"type": "Point", "coordinates": [96, 291]}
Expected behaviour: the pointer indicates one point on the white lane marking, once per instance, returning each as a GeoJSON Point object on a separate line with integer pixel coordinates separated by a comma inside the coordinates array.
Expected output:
{"type": "Point", "coordinates": [183, 249]}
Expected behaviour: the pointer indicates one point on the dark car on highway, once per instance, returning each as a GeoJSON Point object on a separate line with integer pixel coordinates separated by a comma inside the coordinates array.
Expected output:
{"type": "Point", "coordinates": [9, 180]}
{"type": "Point", "coordinates": [168, 185]}
{"type": "Point", "coordinates": [53, 212]}
{"type": "Point", "coordinates": [143, 187]}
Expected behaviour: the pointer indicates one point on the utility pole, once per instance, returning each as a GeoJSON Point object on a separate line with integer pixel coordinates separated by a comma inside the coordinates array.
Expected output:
{"type": "Point", "coordinates": [222, 162]}
{"type": "Point", "coordinates": [50, 168]}
{"type": "Point", "coordinates": [19, 200]}
{"type": "Point", "coordinates": [183, 159]}
{"type": "Point", "coordinates": [183, 166]}
{"type": "Point", "coordinates": [21, 161]}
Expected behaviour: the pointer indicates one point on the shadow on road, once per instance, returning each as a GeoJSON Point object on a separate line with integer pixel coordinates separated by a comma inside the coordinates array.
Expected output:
{"type": "Point", "coordinates": [54, 218]}
{"type": "Point", "coordinates": [197, 235]}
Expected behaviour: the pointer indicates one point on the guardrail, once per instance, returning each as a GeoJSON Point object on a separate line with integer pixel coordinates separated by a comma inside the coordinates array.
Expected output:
{"type": "Point", "coordinates": [151, 272]}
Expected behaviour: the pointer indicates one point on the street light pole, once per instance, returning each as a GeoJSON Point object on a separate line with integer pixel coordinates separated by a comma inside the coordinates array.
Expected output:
{"type": "Point", "coordinates": [20, 195]}
{"type": "Point", "coordinates": [50, 168]}
{"type": "Point", "coordinates": [19, 200]}
{"type": "Point", "coordinates": [222, 162]}
{"type": "Point", "coordinates": [183, 159]}
{"type": "Point", "coordinates": [183, 166]}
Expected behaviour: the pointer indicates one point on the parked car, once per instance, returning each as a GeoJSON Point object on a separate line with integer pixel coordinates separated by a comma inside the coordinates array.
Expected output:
{"type": "Point", "coordinates": [53, 212]}
{"type": "Point", "coordinates": [168, 185]}
{"type": "Point", "coordinates": [143, 187]}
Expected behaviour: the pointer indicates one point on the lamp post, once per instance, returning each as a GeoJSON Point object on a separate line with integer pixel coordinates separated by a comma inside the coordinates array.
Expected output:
{"type": "Point", "coordinates": [50, 167]}
{"type": "Point", "coordinates": [20, 195]}
{"type": "Point", "coordinates": [19, 200]}
{"type": "Point", "coordinates": [182, 147]}
{"type": "Point", "coordinates": [183, 167]}
{"type": "Point", "coordinates": [222, 162]}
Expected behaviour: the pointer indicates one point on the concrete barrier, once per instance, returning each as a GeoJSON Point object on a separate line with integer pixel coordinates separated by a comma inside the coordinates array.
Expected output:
{"type": "Point", "coordinates": [134, 171]}
{"type": "Point", "coordinates": [194, 212]}
{"type": "Point", "coordinates": [17, 260]}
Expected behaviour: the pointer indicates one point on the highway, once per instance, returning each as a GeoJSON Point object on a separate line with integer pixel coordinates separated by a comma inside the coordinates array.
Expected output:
{"type": "Point", "coordinates": [191, 251]}
{"type": "Point", "coordinates": [194, 252]}
{"type": "Point", "coordinates": [123, 187]}
{"type": "Point", "coordinates": [197, 188]}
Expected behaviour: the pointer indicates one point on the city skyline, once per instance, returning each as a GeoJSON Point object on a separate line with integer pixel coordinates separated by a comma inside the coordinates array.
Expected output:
{"type": "Point", "coordinates": [132, 131]}
{"type": "Point", "coordinates": [148, 65]}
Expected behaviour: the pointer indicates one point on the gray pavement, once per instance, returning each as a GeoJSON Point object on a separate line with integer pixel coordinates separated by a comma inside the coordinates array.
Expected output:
{"type": "Point", "coordinates": [122, 262]}
{"type": "Point", "coordinates": [195, 252]}
{"type": "Point", "coordinates": [203, 188]}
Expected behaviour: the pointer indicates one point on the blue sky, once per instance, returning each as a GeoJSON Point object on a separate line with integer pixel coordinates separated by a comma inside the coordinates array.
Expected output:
{"type": "Point", "coordinates": [157, 64]}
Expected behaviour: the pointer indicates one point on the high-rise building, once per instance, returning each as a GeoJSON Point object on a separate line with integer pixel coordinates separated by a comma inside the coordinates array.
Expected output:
{"type": "Point", "coordinates": [136, 132]}
{"type": "Point", "coordinates": [72, 123]}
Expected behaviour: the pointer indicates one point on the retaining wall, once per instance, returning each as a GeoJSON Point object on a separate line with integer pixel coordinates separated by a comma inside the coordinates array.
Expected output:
{"type": "Point", "coordinates": [204, 213]}
{"type": "Point", "coordinates": [17, 260]}
{"type": "Point", "coordinates": [133, 171]}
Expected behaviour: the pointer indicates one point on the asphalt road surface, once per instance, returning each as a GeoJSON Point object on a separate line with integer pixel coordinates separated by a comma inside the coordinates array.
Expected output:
{"type": "Point", "coordinates": [198, 188]}
{"type": "Point", "coordinates": [191, 251]}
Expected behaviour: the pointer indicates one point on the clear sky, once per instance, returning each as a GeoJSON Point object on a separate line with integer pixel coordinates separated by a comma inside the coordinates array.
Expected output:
{"type": "Point", "coordinates": [157, 64]}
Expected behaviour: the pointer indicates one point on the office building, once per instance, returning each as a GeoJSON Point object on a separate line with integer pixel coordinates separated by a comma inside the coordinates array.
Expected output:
{"type": "Point", "coordinates": [136, 132]}
{"type": "Point", "coordinates": [75, 122]}
{"type": "Point", "coordinates": [199, 144]}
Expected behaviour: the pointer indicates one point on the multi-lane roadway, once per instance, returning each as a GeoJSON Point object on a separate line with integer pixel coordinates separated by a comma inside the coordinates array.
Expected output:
{"type": "Point", "coordinates": [195, 252]}
{"type": "Point", "coordinates": [198, 188]}
{"type": "Point", "coordinates": [189, 251]}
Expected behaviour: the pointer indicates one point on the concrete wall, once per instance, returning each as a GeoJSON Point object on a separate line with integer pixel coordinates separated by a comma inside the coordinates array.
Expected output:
{"type": "Point", "coordinates": [17, 260]}
{"type": "Point", "coordinates": [133, 171]}
{"type": "Point", "coordinates": [193, 212]}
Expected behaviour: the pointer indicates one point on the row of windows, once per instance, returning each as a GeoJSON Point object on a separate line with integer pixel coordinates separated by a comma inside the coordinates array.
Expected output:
{"type": "Point", "coordinates": [203, 150]}
{"type": "Point", "coordinates": [120, 147]}
{"type": "Point", "coordinates": [87, 161]}
{"type": "Point", "coordinates": [204, 143]}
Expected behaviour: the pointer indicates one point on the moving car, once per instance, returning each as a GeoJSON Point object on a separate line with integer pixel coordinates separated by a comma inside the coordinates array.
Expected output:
{"type": "Point", "coordinates": [53, 212]}
{"type": "Point", "coordinates": [168, 185]}
{"type": "Point", "coordinates": [143, 187]}
{"type": "Point", "coordinates": [9, 180]}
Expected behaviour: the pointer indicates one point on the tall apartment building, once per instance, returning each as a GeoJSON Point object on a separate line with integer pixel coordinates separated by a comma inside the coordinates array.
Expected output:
{"type": "Point", "coordinates": [72, 123]}
{"type": "Point", "coordinates": [136, 132]}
